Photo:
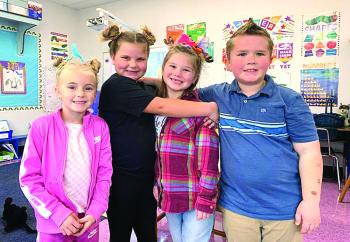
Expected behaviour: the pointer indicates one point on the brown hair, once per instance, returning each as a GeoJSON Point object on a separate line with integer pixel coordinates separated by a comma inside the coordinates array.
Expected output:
{"type": "Point", "coordinates": [62, 65]}
{"type": "Point", "coordinates": [249, 28]}
{"type": "Point", "coordinates": [197, 66]}
{"type": "Point", "coordinates": [116, 37]}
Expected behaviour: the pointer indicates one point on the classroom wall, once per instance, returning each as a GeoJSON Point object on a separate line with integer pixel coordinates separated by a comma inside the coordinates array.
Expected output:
{"type": "Point", "coordinates": [157, 14]}
{"type": "Point", "coordinates": [56, 18]}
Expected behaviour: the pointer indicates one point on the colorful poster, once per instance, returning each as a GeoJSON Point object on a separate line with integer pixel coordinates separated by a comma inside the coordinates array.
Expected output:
{"type": "Point", "coordinates": [281, 29]}
{"type": "Point", "coordinates": [173, 32]}
{"type": "Point", "coordinates": [196, 31]}
{"type": "Point", "coordinates": [59, 47]}
{"type": "Point", "coordinates": [12, 77]}
{"type": "Point", "coordinates": [320, 35]}
{"type": "Point", "coordinates": [318, 85]}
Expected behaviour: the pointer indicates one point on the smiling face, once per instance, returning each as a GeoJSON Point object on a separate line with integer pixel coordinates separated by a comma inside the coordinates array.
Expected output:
{"type": "Point", "coordinates": [76, 89]}
{"type": "Point", "coordinates": [250, 59]}
{"type": "Point", "coordinates": [179, 74]}
{"type": "Point", "coordinates": [130, 60]}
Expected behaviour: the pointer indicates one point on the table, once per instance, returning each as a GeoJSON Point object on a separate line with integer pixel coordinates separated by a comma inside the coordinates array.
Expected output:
{"type": "Point", "coordinates": [346, 131]}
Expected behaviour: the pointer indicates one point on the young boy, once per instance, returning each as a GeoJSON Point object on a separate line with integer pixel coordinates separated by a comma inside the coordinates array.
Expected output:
{"type": "Point", "coordinates": [270, 156]}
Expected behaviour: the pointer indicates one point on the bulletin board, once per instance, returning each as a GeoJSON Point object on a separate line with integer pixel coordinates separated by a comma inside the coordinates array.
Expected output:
{"type": "Point", "coordinates": [21, 75]}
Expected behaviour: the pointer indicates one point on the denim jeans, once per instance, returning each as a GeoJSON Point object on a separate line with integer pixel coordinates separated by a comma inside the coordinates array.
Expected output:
{"type": "Point", "coordinates": [184, 227]}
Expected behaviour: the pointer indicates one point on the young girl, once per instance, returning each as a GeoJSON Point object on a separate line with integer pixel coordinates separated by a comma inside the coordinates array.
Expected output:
{"type": "Point", "coordinates": [127, 106]}
{"type": "Point", "coordinates": [66, 167]}
{"type": "Point", "coordinates": [188, 152]}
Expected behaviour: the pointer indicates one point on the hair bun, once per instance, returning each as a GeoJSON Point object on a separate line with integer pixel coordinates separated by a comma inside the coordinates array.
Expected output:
{"type": "Point", "coordinates": [110, 33]}
{"type": "Point", "coordinates": [151, 39]}
{"type": "Point", "coordinates": [95, 65]}
{"type": "Point", "coordinates": [58, 61]}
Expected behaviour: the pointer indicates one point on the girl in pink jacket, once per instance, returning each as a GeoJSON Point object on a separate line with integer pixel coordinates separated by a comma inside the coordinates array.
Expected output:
{"type": "Point", "coordinates": [66, 167]}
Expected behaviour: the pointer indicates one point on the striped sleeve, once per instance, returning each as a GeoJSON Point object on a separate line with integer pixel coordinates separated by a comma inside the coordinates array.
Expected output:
{"type": "Point", "coordinates": [207, 153]}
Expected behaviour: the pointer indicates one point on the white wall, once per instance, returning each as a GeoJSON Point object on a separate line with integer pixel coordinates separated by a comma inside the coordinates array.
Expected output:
{"type": "Point", "coordinates": [158, 14]}
{"type": "Point", "coordinates": [56, 18]}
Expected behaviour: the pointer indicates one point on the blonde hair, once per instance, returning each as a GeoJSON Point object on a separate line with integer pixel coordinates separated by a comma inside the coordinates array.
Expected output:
{"type": "Point", "coordinates": [62, 65]}
{"type": "Point", "coordinates": [197, 61]}
{"type": "Point", "coordinates": [249, 28]}
{"type": "Point", "coordinates": [116, 37]}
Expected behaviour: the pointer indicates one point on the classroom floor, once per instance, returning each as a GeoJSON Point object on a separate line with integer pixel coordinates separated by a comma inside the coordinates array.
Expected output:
{"type": "Point", "coordinates": [335, 226]}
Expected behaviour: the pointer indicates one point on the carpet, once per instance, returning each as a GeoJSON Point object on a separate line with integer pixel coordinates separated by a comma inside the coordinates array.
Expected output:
{"type": "Point", "coordinates": [9, 187]}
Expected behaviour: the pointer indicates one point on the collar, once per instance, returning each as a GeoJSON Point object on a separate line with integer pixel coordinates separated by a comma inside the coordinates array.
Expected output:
{"type": "Point", "coordinates": [86, 118]}
{"type": "Point", "coordinates": [267, 89]}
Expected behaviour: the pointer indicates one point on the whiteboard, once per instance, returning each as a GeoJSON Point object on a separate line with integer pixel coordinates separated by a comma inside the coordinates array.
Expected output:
{"type": "Point", "coordinates": [154, 63]}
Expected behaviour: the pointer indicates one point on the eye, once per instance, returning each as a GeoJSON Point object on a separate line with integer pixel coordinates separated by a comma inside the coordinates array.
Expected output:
{"type": "Point", "coordinates": [89, 88]}
{"type": "Point", "coordinates": [242, 54]}
{"type": "Point", "coordinates": [71, 87]}
{"type": "Point", "coordinates": [141, 59]}
{"type": "Point", "coordinates": [125, 57]}
{"type": "Point", "coordinates": [172, 66]}
{"type": "Point", "coordinates": [260, 54]}
{"type": "Point", "coordinates": [188, 70]}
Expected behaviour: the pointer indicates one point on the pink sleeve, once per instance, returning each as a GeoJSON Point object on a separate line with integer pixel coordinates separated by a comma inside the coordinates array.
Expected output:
{"type": "Point", "coordinates": [32, 181]}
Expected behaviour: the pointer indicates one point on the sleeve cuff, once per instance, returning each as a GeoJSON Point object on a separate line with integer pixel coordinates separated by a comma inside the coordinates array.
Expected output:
{"type": "Point", "coordinates": [205, 206]}
{"type": "Point", "coordinates": [60, 214]}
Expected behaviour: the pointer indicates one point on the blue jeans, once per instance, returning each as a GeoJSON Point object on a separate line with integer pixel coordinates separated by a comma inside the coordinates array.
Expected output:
{"type": "Point", "coordinates": [184, 227]}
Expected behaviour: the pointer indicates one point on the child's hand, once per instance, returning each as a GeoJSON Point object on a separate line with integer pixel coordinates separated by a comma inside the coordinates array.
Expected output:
{"type": "Point", "coordinates": [201, 215]}
{"type": "Point", "coordinates": [209, 123]}
{"type": "Point", "coordinates": [308, 216]}
{"type": "Point", "coordinates": [87, 221]}
{"type": "Point", "coordinates": [155, 192]}
{"type": "Point", "coordinates": [213, 118]}
{"type": "Point", "coordinates": [71, 225]}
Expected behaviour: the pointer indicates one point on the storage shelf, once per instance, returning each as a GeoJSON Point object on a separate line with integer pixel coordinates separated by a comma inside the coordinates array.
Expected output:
{"type": "Point", "coordinates": [22, 23]}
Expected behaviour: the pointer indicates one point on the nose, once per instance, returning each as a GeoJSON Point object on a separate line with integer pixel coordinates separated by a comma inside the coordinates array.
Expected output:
{"type": "Point", "coordinates": [251, 58]}
{"type": "Point", "coordinates": [80, 92]}
{"type": "Point", "coordinates": [177, 72]}
{"type": "Point", "coordinates": [132, 63]}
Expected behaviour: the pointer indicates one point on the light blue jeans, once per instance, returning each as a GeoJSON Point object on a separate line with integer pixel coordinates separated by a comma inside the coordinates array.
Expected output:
{"type": "Point", "coordinates": [184, 227]}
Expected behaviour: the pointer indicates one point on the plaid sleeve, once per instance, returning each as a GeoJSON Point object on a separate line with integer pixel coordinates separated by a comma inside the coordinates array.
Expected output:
{"type": "Point", "coordinates": [207, 152]}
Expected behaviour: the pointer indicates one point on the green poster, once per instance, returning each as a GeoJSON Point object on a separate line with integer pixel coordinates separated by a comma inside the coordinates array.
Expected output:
{"type": "Point", "coordinates": [196, 31]}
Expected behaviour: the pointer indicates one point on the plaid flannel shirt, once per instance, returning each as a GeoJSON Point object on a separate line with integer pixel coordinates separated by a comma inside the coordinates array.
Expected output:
{"type": "Point", "coordinates": [187, 164]}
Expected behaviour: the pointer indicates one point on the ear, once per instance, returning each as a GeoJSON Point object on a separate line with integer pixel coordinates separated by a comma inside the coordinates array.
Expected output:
{"type": "Point", "coordinates": [227, 64]}
{"type": "Point", "coordinates": [57, 91]}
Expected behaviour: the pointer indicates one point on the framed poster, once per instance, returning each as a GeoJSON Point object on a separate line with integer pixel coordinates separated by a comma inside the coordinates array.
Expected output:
{"type": "Point", "coordinates": [12, 77]}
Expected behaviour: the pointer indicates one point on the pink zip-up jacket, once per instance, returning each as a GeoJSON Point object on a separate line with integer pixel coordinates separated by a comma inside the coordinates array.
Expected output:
{"type": "Point", "coordinates": [43, 163]}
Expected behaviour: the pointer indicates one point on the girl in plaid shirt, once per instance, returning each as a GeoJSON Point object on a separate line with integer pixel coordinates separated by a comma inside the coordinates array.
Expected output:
{"type": "Point", "coordinates": [188, 152]}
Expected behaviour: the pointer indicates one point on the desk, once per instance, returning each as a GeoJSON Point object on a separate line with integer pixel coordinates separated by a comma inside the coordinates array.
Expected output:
{"type": "Point", "coordinates": [14, 141]}
{"type": "Point", "coordinates": [346, 131]}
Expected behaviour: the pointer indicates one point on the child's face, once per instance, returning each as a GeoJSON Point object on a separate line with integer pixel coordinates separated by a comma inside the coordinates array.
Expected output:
{"type": "Point", "coordinates": [178, 74]}
{"type": "Point", "coordinates": [131, 60]}
{"type": "Point", "coordinates": [250, 59]}
{"type": "Point", "coordinates": [77, 91]}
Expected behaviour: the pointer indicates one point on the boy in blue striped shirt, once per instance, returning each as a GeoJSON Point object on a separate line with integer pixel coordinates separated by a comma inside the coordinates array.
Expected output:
{"type": "Point", "coordinates": [271, 166]}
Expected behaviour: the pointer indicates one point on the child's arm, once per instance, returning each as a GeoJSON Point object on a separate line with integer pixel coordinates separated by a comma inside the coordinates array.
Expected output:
{"type": "Point", "coordinates": [151, 81]}
{"type": "Point", "coordinates": [207, 153]}
{"type": "Point", "coordinates": [32, 182]}
{"type": "Point", "coordinates": [99, 201]}
{"type": "Point", "coordinates": [310, 168]}
{"type": "Point", "coordinates": [181, 108]}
